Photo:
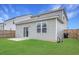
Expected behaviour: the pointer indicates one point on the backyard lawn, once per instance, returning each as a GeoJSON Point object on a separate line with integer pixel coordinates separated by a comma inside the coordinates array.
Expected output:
{"type": "Point", "coordinates": [38, 47]}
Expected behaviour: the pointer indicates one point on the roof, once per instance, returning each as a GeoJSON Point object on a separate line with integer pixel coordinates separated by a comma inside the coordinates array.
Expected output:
{"type": "Point", "coordinates": [32, 20]}
{"type": "Point", "coordinates": [35, 20]}
{"type": "Point", "coordinates": [48, 12]}
{"type": "Point", "coordinates": [52, 11]}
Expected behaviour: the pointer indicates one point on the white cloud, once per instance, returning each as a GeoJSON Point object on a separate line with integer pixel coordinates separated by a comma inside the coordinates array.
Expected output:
{"type": "Point", "coordinates": [17, 13]}
{"type": "Point", "coordinates": [27, 11]}
{"type": "Point", "coordinates": [53, 7]}
{"type": "Point", "coordinates": [71, 6]}
{"type": "Point", "coordinates": [70, 9]}
{"type": "Point", "coordinates": [11, 8]}
{"type": "Point", "coordinates": [72, 14]}
{"type": "Point", "coordinates": [4, 8]}
{"type": "Point", "coordinates": [42, 11]}
{"type": "Point", "coordinates": [3, 15]}
{"type": "Point", "coordinates": [56, 7]}
{"type": "Point", "coordinates": [1, 18]}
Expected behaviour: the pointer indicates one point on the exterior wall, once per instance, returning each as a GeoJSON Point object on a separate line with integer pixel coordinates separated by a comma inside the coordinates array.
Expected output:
{"type": "Point", "coordinates": [61, 26]}
{"type": "Point", "coordinates": [1, 26]}
{"type": "Point", "coordinates": [49, 36]}
{"type": "Point", "coordinates": [60, 30]}
{"type": "Point", "coordinates": [8, 25]}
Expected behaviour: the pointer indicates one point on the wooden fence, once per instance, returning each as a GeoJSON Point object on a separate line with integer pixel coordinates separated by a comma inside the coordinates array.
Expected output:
{"type": "Point", "coordinates": [7, 33]}
{"type": "Point", "coordinates": [72, 33]}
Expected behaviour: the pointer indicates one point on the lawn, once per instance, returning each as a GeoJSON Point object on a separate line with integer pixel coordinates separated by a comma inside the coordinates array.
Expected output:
{"type": "Point", "coordinates": [38, 47]}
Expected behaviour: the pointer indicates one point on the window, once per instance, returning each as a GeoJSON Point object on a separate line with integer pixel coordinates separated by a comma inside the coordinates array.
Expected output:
{"type": "Point", "coordinates": [44, 28]}
{"type": "Point", "coordinates": [41, 27]}
{"type": "Point", "coordinates": [25, 32]}
{"type": "Point", "coordinates": [38, 28]}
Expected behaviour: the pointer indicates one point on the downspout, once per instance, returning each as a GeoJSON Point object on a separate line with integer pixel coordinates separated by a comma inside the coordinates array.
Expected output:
{"type": "Point", "coordinates": [62, 26]}
{"type": "Point", "coordinates": [56, 30]}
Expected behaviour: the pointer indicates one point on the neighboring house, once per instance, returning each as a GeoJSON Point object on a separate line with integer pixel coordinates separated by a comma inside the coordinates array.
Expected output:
{"type": "Point", "coordinates": [1, 26]}
{"type": "Point", "coordinates": [48, 26]}
{"type": "Point", "coordinates": [10, 23]}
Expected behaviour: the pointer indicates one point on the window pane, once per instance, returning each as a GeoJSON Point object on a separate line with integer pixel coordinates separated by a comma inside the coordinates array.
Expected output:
{"type": "Point", "coordinates": [39, 28]}
{"type": "Point", "coordinates": [44, 28]}
{"type": "Point", "coordinates": [25, 32]}
{"type": "Point", "coordinates": [38, 25]}
{"type": "Point", "coordinates": [44, 25]}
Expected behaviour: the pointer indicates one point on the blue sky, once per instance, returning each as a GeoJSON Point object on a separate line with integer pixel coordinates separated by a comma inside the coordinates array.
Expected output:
{"type": "Point", "coordinates": [12, 10]}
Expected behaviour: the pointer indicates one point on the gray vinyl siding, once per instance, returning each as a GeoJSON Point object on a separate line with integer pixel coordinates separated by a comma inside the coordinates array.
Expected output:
{"type": "Point", "coordinates": [49, 36]}
{"type": "Point", "coordinates": [8, 25]}
{"type": "Point", "coordinates": [60, 30]}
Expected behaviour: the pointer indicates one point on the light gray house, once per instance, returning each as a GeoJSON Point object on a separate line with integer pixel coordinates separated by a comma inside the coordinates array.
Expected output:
{"type": "Point", "coordinates": [10, 23]}
{"type": "Point", "coordinates": [48, 26]}
{"type": "Point", "coordinates": [1, 26]}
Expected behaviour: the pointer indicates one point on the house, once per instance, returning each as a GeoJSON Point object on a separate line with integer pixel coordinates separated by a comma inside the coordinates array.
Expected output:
{"type": "Point", "coordinates": [48, 26]}
{"type": "Point", "coordinates": [10, 23]}
{"type": "Point", "coordinates": [1, 26]}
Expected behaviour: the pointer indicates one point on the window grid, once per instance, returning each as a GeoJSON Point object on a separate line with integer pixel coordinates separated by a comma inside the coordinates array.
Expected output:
{"type": "Point", "coordinates": [38, 28]}
{"type": "Point", "coordinates": [44, 28]}
{"type": "Point", "coordinates": [41, 27]}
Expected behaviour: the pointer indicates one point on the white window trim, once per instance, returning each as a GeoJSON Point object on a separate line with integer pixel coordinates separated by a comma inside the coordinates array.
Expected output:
{"type": "Point", "coordinates": [41, 23]}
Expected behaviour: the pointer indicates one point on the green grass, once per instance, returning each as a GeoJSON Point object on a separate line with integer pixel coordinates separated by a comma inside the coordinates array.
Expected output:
{"type": "Point", "coordinates": [38, 47]}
